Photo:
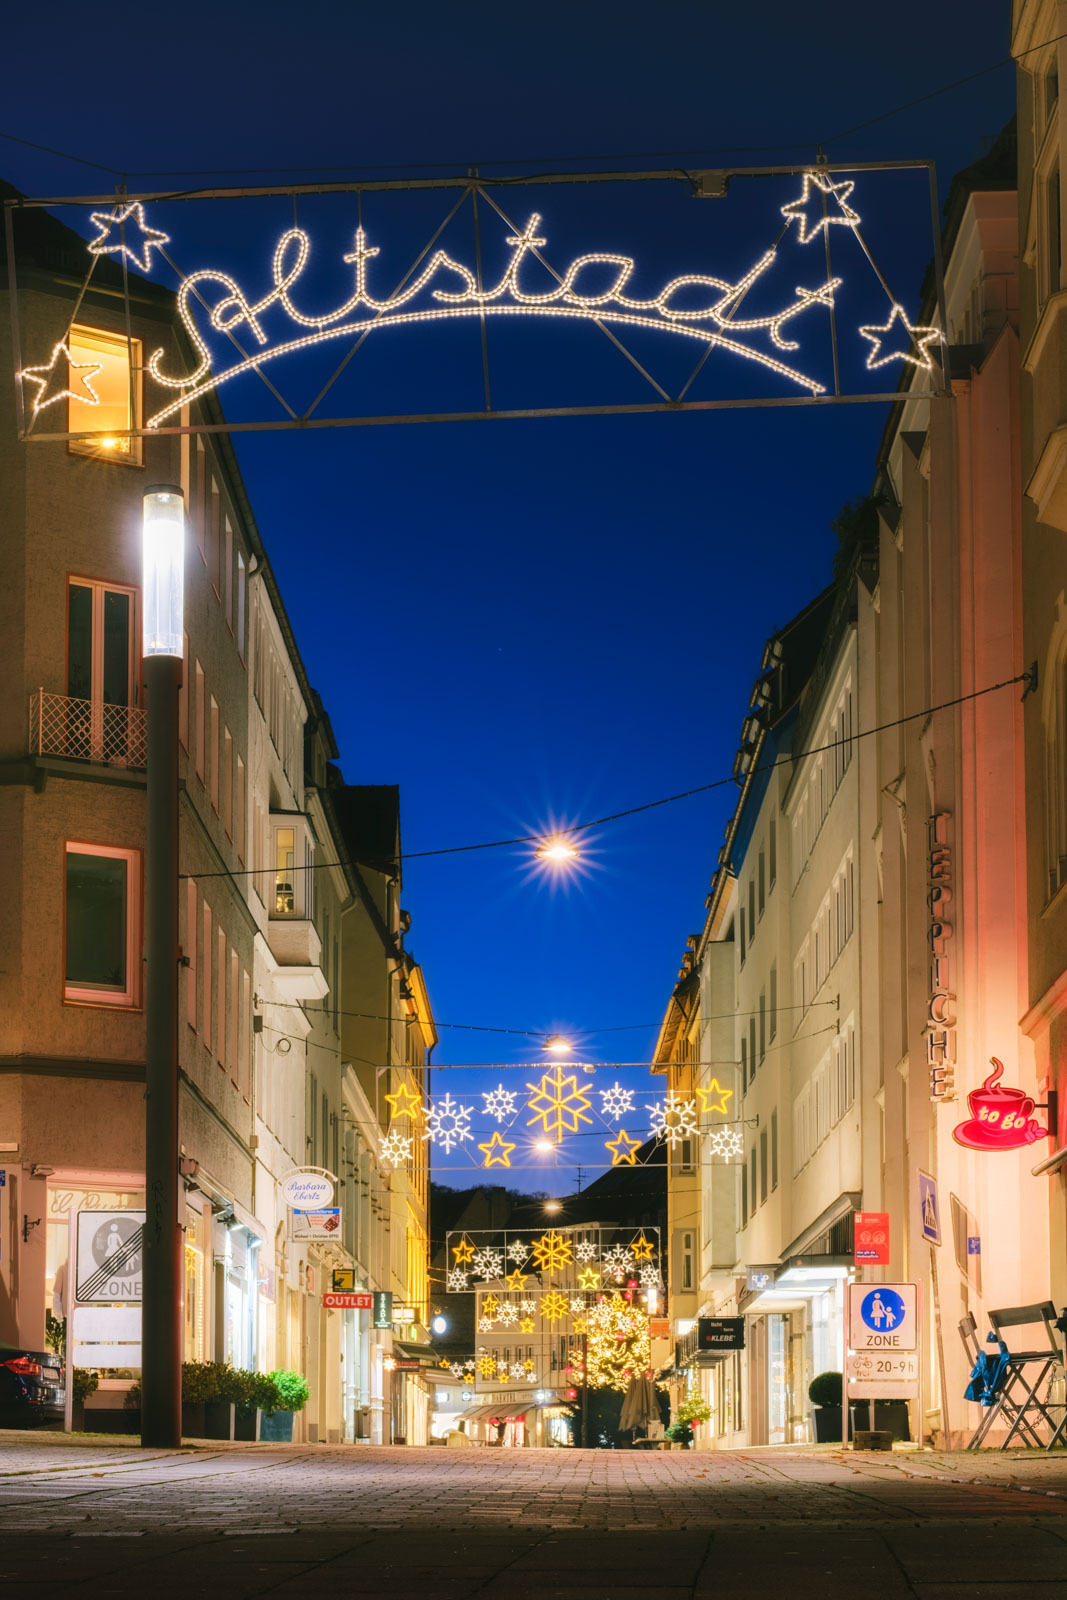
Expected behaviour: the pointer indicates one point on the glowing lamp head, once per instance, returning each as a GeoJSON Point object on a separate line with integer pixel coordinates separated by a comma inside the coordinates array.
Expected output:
{"type": "Point", "coordinates": [557, 851]}
{"type": "Point", "coordinates": [557, 1045]}
{"type": "Point", "coordinates": [545, 1147]}
{"type": "Point", "coordinates": [552, 1206]}
{"type": "Point", "coordinates": [163, 550]}
{"type": "Point", "coordinates": [439, 1325]}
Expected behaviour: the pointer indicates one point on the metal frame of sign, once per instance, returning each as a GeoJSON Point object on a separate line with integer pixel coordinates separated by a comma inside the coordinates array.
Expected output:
{"type": "Point", "coordinates": [702, 183]}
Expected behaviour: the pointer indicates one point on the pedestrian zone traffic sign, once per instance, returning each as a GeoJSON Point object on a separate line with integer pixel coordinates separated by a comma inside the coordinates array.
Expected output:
{"type": "Point", "coordinates": [882, 1316]}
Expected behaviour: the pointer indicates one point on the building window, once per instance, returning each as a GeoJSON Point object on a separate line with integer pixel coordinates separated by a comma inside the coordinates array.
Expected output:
{"type": "Point", "coordinates": [293, 858]}
{"type": "Point", "coordinates": [109, 417]}
{"type": "Point", "coordinates": [752, 1176]}
{"type": "Point", "coordinates": [762, 1025]}
{"type": "Point", "coordinates": [744, 1194]}
{"type": "Point", "coordinates": [227, 576]}
{"type": "Point", "coordinates": [216, 753]}
{"type": "Point", "coordinates": [240, 820]}
{"type": "Point", "coordinates": [752, 1046]}
{"type": "Point", "coordinates": [206, 949]}
{"type": "Point", "coordinates": [102, 654]}
{"type": "Point", "coordinates": [742, 941]}
{"type": "Point", "coordinates": [686, 1260]}
{"type": "Point", "coordinates": [772, 1027]}
{"type": "Point", "coordinates": [103, 910]}
{"type": "Point", "coordinates": [751, 909]}
{"type": "Point", "coordinates": [744, 1063]}
{"type": "Point", "coordinates": [189, 952]}
{"type": "Point", "coordinates": [242, 604]}
{"type": "Point", "coordinates": [1053, 245]}
{"type": "Point", "coordinates": [198, 712]}
{"type": "Point", "coordinates": [762, 876]}
{"type": "Point", "coordinates": [221, 997]}
{"type": "Point", "coordinates": [183, 695]}
{"type": "Point", "coordinates": [772, 853]}
{"type": "Point", "coordinates": [774, 1148]}
{"type": "Point", "coordinates": [763, 1166]}
{"type": "Point", "coordinates": [227, 782]}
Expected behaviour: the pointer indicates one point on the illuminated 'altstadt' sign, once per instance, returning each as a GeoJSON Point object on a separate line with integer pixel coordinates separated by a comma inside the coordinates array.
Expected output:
{"type": "Point", "coordinates": [703, 308]}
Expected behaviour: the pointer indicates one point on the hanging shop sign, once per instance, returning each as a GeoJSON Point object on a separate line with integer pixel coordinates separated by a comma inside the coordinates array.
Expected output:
{"type": "Point", "coordinates": [404, 1314]}
{"type": "Point", "coordinates": [307, 1191]}
{"type": "Point", "coordinates": [940, 1027]}
{"type": "Point", "coordinates": [343, 1280]}
{"type": "Point", "coordinates": [871, 1238]}
{"type": "Point", "coordinates": [382, 1308]}
{"type": "Point", "coordinates": [720, 1333]}
{"type": "Point", "coordinates": [109, 1257]}
{"type": "Point", "coordinates": [1000, 1116]}
{"type": "Point", "coordinates": [322, 1224]}
{"type": "Point", "coordinates": [348, 1302]}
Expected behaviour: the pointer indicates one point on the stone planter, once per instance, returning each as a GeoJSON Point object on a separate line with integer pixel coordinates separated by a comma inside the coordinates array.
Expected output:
{"type": "Point", "coordinates": [77, 1416]}
{"type": "Point", "coordinates": [193, 1423]}
{"type": "Point", "coordinates": [218, 1420]}
{"type": "Point", "coordinates": [276, 1428]}
{"type": "Point", "coordinates": [246, 1425]}
{"type": "Point", "coordinates": [828, 1424]}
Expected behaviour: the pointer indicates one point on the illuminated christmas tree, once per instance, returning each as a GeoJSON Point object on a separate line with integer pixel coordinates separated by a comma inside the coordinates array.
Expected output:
{"type": "Point", "coordinates": [619, 1344]}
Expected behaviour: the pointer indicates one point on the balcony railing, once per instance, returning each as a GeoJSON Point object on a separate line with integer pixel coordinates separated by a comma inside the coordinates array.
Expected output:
{"type": "Point", "coordinates": [87, 730]}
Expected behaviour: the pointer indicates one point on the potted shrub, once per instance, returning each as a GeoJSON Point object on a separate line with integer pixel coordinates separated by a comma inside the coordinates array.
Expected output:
{"type": "Point", "coordinates": [291, 1393]}
{"type": "Point", "coordinates": [680, 1435]}
{"type": "Point", "coordinates": [258, 1396]}
{"type": "Point", "coordinates": [85, 1383]}
{"type": "Point", "coordinates": [825, 1392]}
{"type": "Point", "coordinates": [199, 1387]}
{"type": "Point", "coordinates": [693, 1411]}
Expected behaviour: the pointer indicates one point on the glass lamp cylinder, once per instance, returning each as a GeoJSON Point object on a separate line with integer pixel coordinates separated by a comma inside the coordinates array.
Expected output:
{"type": "Point", "coordinates": [164, 570]}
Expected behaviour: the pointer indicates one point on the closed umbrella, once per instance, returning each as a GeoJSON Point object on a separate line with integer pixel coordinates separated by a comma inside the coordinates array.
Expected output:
{"type": "Point", "coordinates": [639, 1406]}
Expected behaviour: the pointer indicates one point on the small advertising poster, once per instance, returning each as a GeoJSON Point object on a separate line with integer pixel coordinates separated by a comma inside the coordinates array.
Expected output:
{"type": "Point", "coordinates": [322, 1224]}
{"type": "Point", "coordinates": [871, 1238]}
{"type": "Point", "coordinates": [721, 1333]}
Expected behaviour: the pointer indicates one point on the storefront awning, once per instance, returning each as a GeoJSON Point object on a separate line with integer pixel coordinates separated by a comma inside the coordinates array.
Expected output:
{"type": "Point", "coordinates": [825, 1220]}
{"type": "Point", "coordinates": [500, 1413]}
{"type": "Point", "coordinates": [423, 1353]}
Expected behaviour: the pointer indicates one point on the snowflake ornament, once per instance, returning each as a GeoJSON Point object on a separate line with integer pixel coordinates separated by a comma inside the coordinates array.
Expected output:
{"type": "Point", "coordinates": [456, 1368]}
{"type": "Point", "coordinates": [726, 1142]}
{"type": "Point", "coordinates": [674, 1119]}
{"type": "Point", "coordinates": [617, 1262]}
{"type": "Point", "coordinates": [500, 1103]}
{"type": "Point", "coordinates": [559, 1103]}
{"type": "Point", "coordinates": [586, 1251]}
{"type": "Point", "coordinates": [616, 1101]}
{"type": "Point", "coordinates": [509, 1314]}
{"type": "Point", "coordinates": [552, 1251]}
{"type": "Point", "coordinates": [485, 1325]}
{"type": "Point", "coordinates": [457, 1280]}
{"type": "Point", "coordinates": [517, 1251]}
{"type": "Point", "coordinates": [396, 1148]}
{"type": "Point", "coordinates": [528, 1307]}
{"type": "Point", "coordinates": [518, 1369]}
{"type": "Point", "coordinates": [487, 1366]}
{"type": "Point", "coordinates": [554, 1305]}
{"type": "Point", "coordinates": [577, 1305]}
{"type": "Point", "coordinates": [448, 1123]}
{"type": "Point", "coordinates": [487, 1263]}
{"type": "Point", "coordinates": [648, 1277]}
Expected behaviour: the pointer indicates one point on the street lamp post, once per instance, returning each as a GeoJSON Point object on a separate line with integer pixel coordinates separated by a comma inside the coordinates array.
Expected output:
{"type": "Point", "coordinates": [161, 1330]}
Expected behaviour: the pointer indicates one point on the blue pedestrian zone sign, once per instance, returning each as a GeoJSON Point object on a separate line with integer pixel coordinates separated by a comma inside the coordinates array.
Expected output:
{"type": "Point", "coordinates": [882, 1310]}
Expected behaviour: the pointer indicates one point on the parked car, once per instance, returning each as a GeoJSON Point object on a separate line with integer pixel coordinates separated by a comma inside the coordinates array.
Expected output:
{"type": "Point", "coordinates": [31, 1388]}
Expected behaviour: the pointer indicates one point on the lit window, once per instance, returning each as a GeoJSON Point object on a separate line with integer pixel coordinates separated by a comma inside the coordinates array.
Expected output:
{"type": "Point", "coordinates": [110, 419]}
{"type": "Point", "coordinates": [103, 902]}
{"type": "Point", "coordinates": [292, 858]}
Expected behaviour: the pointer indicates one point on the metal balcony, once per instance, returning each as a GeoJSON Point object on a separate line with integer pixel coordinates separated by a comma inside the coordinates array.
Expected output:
{"type": "Point", "coordinates": [87, 730]}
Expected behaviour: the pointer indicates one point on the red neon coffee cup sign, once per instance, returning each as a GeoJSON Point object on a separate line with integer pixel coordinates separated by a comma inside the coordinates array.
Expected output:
{"type": "Point", "coordinates": [1000, 1116]}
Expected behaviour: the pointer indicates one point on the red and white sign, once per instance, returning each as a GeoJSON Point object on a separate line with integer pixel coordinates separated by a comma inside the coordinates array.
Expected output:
{"type": "Point", "coordinates": [348, 1302]}
{"type": "Point", "coordinates": [1000, 1116]}
{"type": "Point", "coordinates": [871, 1238]}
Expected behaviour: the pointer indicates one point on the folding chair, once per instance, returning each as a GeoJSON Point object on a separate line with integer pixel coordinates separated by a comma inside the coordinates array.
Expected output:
{"type": "Point", "coordinates": [993, 1400]}
{"type": "Point", "coordinates": [1026, 1372]}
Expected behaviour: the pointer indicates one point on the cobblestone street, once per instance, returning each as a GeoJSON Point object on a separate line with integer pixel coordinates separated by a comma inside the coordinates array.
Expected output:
{"type": "Point", "coordinates": [106, 1518]}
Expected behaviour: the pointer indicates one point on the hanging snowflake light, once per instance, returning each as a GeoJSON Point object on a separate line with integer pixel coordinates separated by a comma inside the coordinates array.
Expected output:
{"type": "Point", "coordinates": [616, 1101]}
{"type": "Point", "coordinates": [500, 1103]}
{"type": "Point", "coordinates": [726, 1142]}
{"type": "Point", "coordinates": [648, 1277]}
{"type": "Point", "coordinates": [396, 1148]}
{"type": "Point", "coordinates": [517, 1251]}
{"type": "Point", "coordinates": [448, 1123]}
{"type": "Point", "coordinates": [456, 1368]}
{"type": "Point", "coordinates": [518, 1369]}
{"type": "Point", "coordinates": [674, 1119]}
{"type": "Point", "coordinates": [528, 1307]}
{"type": "Point", "coordinates": [577, 1304]}
{"type": "Point", "coordinates": [487, 1263]}
{"type": "Point", "coordinates": [509, 1314]}
{"type": "Point", "coordinates": [617, 1262]}
{"type": "Point", "coordinates": [586, 1251]}
{"type": "Point", "coordinates": [457, 1280]}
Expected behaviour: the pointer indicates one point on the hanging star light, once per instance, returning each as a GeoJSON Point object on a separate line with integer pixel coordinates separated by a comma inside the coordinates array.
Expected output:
{"type": "Point", "coordinates": [642, 1249]}
{"type": "Point", "coordinates": [714, 1097]}
{"type": "Point", "coordinates": [674, 1118]}
{"type": "Point", "coordinates": [558, 1103]}
{"type": "Point", "coordinates": [500, 1103]}
{"type": "Point", "coordinates": [797, 210]}
{"type": "Point", "coordinates": [42, 377]}
{"type": "Point", "coordinates": [448, 1123]}
{"type": "Point", "coordinates": [117, 222]}
{"type": "Point", "coordinates": [623, 1149]}
{"type": "Point", "coordinates": [487, 1263]}
{"type": "Point", "coordinates": [616, 1101]}
{"type": "Point", "coordinates": [497, 1152]}
{"type": "Point", "coordinates": [457, 1280]}
{"type": "Point", "coordinates": [404, 1102]}
{"type": "Point", "coordinates": [528, 1367]}
{"type": "Point", "coordinates": [553, 1305]}
{"type": "Point", "coordinates": [490, 1307]}
{"type": "Point", "coordinates": [920, 338]}
{"type": "Point", "coordinates": [396, 1148]}
{"type": "Point", "coordinates": [580, 1325]}
{"type": "Point", "coordinates": [589, 1279]}
{"type": "Point", "coordinates": [516, 1281]}
{"type": "Point", "coordinates": [726, 1142]}
{"type": "Point", "coordinates": [552, 1251]}
{"type": "Point", "coordinates": [463, 1252]}
{"type": "Point", "coordinates": [526, 1325]}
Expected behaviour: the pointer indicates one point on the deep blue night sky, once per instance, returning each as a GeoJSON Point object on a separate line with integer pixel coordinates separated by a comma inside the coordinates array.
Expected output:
{"type": "Point", "coordinates": [528, 621]}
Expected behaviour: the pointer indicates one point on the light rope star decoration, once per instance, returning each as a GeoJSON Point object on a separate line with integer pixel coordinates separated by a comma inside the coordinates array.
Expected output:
{"type": "Point", "coordinates": [404, 1102]}
{"type": "Point", "coordinates": [118, 222]}
{"type": "Point", "coordinates": [558, 1103]}
{"type": "Point", "coordinates": [920, 338]}
{"type": "Point", "coordinates": [589, 1278]}
{"type": "Point", "coordinates": [497, 1152]}
{"type": "Point", "coordinates": [642, 1249]}
{"type": "Point", "coordinates": [623, 1148]}
{"type": "Point", "coordinates": [674, 1119]}
{"type": "Point", "coordinates": [448, 1123]}
{"type": "Point", "coordinates": [396, 1148]}
{"type": "Point", "coordinates": [489, 1307]}
{"type": "Point", "coordinates": [500, 1103]}
{"type": "Point", "coordinates": [714, 1097]}
{"type": "Point", "coordinates": [463, 1252]}
{"type": "Point", "coordinates": [616, 1101]}
{"type": "Point", "coordinates": [797, 210]}
{"type": "Point", "coordinates": [42, 377]}
{"type": "Point", "coordinates": [516, 1281]}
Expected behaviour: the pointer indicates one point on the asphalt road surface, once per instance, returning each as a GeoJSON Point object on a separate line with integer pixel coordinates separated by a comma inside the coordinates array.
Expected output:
{"type": "Point", "coordinates": [82, 1518]}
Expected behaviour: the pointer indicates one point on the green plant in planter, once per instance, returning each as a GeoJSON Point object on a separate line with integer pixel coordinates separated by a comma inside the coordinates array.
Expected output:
{"type": "Point", "coordinates": [693, 1410]}
{"type": "Point", "coordinates": [85, 1384]}
{"type": "Point", "coordinates": [201, 1382]}
{"type": "Point", "coordinates": [826, 1389]}
{"type": "Point", "coordinates": [291, 1389]}
{"type": "Point", "coordinates": [678, 1433]}
{"type": "Point", "coordinates": [55, 1332]}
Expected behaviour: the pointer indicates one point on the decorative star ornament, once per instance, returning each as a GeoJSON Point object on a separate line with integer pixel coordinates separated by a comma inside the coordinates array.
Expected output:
{"type": "Point", "coordinates": [526, 1325]}
{"type": "Point", "coordinates": [714, 1097]}
{"type": "Point", "coordinates": [516, 1281]}
{"type": "Point", "coordinates": [642, 1249]}
{"type": "Point", "coordinates": [115, 233]}
{"type": "Point", "coordinates": [42, 377]}
{"type": "Point", "coordinates": [920, 337]}
{"type": "Point", "coordinates": [623, 1148]}
{"type": "Point", "coordinates": [589, 1279]}
{"type": "Point", "coordinates": [404, 1102]}
{"type": "Point", "coordinates": [825, 186]}
{"type": "Point", "coordinates": [497, 1153]}
{"type": "Point", "coordinates": [463, 1252]}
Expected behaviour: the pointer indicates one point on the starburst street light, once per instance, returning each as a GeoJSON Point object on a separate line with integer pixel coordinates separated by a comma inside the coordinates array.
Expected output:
{"type": "Point", "coordinates": [556, 851]}
{"type": "Point", "coordinates": [557, 1045]}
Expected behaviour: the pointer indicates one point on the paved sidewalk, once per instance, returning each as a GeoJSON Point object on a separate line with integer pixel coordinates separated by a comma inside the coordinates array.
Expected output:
{"type": "Point", "coordinates": [103, 1516]}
